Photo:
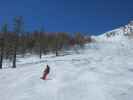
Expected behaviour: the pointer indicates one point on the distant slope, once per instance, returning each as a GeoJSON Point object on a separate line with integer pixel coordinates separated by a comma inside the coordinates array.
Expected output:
{"type": "Point", "coordinates": [118, 34]}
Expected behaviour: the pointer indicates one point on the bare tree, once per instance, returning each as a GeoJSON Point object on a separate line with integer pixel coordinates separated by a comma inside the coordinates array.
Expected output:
{"type": "Point", "coordinates": [4, 30]}
{"type": "Point", "coordinates": [18, 27]}
{"type": "Point", "coordinates": [1, 50]}
{"type": "Point", "coordinates": [41, 37]}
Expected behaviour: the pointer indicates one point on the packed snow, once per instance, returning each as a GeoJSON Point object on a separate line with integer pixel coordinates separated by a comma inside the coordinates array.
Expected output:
{"type": "Point", "coordinates": [100, 71]}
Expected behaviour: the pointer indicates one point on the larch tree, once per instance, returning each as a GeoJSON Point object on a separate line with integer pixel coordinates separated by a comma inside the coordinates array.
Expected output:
{"type": "Point", "coordinates": [4, 30]}
{"type": "Point", "coordinates": [18, 28]}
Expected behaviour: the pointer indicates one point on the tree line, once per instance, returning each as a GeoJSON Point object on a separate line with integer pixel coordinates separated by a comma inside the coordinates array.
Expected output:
{"type": "Point", "coordinates": [18, 42]}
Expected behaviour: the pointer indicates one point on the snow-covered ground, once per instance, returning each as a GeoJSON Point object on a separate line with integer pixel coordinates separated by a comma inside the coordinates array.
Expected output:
{"type": "Point", "coordinates": [102, 71]}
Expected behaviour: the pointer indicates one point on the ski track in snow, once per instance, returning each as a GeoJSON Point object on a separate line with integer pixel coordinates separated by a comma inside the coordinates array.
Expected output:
{"type": "Point", "coordinates": [103, 71]}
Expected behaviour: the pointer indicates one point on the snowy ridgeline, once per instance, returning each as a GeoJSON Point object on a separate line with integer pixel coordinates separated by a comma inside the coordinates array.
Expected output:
{"type": "Point", "coordinates": [102, 71]}
{"type": "Point", "coordinates": [118, 35]}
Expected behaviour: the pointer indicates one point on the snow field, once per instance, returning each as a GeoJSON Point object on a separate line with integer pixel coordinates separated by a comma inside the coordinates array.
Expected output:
{"type": "Point", "coordinates": [102, 71]}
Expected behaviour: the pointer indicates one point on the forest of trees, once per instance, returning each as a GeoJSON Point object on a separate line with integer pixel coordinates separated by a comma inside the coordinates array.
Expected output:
{"type": "Point", "coordinates": [19, 42]}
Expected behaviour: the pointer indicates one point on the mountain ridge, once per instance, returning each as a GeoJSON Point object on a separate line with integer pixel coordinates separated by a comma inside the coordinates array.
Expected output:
{"type": "Point", "coordinates": [118, 34]}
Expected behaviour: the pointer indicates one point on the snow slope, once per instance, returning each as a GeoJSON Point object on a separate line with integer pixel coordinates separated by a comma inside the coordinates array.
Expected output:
{"type": "Point", "coordinates": [120, 34]}
{"type": "Point", "coordinates": [102, 71]}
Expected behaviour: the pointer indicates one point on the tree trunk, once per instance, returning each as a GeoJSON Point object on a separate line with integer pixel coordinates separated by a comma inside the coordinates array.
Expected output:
{"type": "Point", "coordinates": [56, 51]}
{"type": "Point", "coordinates": [1, 58]}
{"type": "Point", "coordinates": [40, 53]}
{"type": "Point", "coordinates": [14, 56]}
{"type": "Point", "coordinates": [2, 53]}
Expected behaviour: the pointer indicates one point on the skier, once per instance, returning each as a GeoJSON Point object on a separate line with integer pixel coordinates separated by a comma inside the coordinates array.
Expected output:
{"type": "Point", "coordinates": [45, 73]}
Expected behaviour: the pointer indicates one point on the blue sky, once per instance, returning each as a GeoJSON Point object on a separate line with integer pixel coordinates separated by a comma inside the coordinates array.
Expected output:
{"type": "Point", "coordinates": [87, 16]}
